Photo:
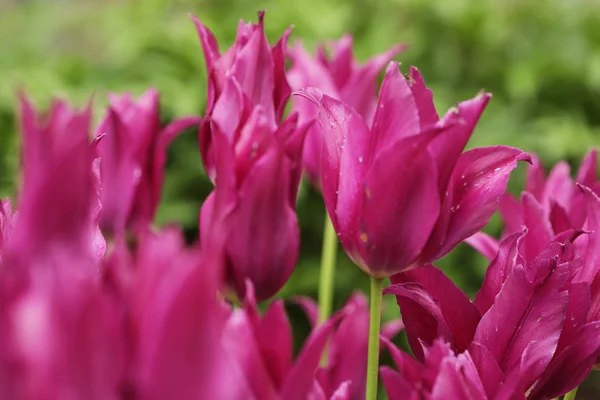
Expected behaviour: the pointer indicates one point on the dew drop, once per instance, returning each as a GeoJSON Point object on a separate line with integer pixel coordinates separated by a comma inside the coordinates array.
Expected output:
{"type": "Point", "coordinates": [497, 169]}
{"type": "Point", "coordinates": [360, 160]}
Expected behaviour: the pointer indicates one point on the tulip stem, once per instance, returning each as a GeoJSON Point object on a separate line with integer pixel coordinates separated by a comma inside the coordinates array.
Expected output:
{"type": "Point", "coordinates": [374, 328]}
{"type": "Point", "coordinates": [326, 281]}
{"type": "Point", "coordinates": [571, 395]}
{"type": "Point", "coordinates": [328, 258]}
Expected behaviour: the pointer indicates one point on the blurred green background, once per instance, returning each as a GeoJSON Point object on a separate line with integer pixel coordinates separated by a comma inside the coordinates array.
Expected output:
{"type": "Point", "coordinates": [541, 61]}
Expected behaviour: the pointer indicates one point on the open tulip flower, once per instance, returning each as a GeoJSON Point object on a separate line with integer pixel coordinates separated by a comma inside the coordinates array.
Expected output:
{"type": "Point", "coordinates": [400, 192]}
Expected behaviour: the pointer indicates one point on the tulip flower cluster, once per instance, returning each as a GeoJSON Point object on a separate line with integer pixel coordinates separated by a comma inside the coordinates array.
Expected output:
{"type": "Point", "coordinates": [97, 303]}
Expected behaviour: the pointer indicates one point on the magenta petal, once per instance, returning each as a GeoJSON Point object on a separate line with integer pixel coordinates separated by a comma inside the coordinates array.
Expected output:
{"type": "Point", "coordinates": [282, 89]}
{"type": "Point", "coordinates": [397, 116]}
{"type": "Point", "coordinates": [423, 97]}
{"type": "Point", "coordinates": [274, 338]}
{"type": "Point", "coordinates": [511, 212]}
{"type": "Point", "coordinates": [497, 272]}
{"type": "Point", "coordinates": [299, 380]}
{"type": "Point", "coordinates": [263, 213]}
{"type": "Point", "coordinates": [397, 218]}
{"type": "Point", "coordinates": [396, 386]}
{"type": "Point", "coordinates": [447, 149]}
{"type": "Point", "coordinates": [360, 89]}
{"type": "Point", "coordinates": [457, 380]}
{"type": "Point", "coordinates": [591, 264]}
{"type": "Point", "coordinates": [391, 328]}
{"type": "Point", "coordinates": [539, 232]}
{"type": "Point", "coordinates": [209, 44]}
{"type": "Point", "coordinates": [489, 371]}
{"type": "Point", "coordinates": [559, 185]}
{"type": "Point", "coordinates": [577, 312]}
{"type": "Point", "coordinates": [485, 244]}
{"type": "Point", "coordinates": [431, 306]}
{"type": "Point", "coordinates": [478, 180]}
{"type": "Point", "coordinates": [344, 160]}
{"type": "Point", "coordinates": [253, 68]}
{"type": "Point", "coordinates": [513, 323]}
{"type": "Point", "coordinates": [571, 366]}
{"type": "Point", "coordinates": [588, 171]}
{"type": "Point", "coordinates": [536, 178]}
{"type": "Point", "coordinates": [239, 344]}
{"type": "Point", "coordinates": [179, 347]}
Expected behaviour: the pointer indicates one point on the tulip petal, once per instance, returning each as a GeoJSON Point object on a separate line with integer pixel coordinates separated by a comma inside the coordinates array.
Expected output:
{"type": "Point", "coordinates": [263, 213]}
{"type": "Point", "coordinates": [497, 273]}
{"type": "Point", "coordinates": [536, 178]}
{"type": "Point", "coordinates": [571, 366]}
{"type": "Point", "coordinates": [478, 180]}
{"type": "Point", "coordinates": [489, 371]}
{"type": "Point", "coordinates": [591, 264]}
{"type": "Point", "coordinates": [539, 232]}
{"type": "Point", "coordinates": [300, 378]}
{"type": "Point", "coordinates": [447, 149]}
{"type": "Point", "coordinates": [396, 386]}
{"type": "Point", "coordinates": [423, 97]}
{"type": "Point", "coordinates": [410, 206]}
{"type": "Point", "coordinates": [344, 161]}
{"type": "Point", "coordinates": [485, 244]}
{"type": "Point", "coordinates": [513, 322]}
{"type": "Point", "coordinates": [397, 116]}
{"type": "Point", "coordinates": [432, 306]}
{"type": "Point", "coordinates": [511, 212]}
{"type": "Point", "coordinates": [360, 89]}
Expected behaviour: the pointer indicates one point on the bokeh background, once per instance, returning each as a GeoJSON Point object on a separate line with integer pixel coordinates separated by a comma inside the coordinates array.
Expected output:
{"type": "Point", "coordinates": [541, 61]}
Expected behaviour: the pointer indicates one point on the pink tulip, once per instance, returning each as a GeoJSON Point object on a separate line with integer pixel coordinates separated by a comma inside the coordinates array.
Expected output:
{"type": "Point", "coordinates": [258, 171]}
{"type": "Point", "coordinates": [529, 323]}
{"type": "Point", "coordinates": [132, 160]}
{"type": "Point", "coordinates": [400, 193]}
{"type": "Point", "coordinates": [348, 347]}
{"type": "Point", "coordinates": [341, 77]}
{"type": "Point", "coordinates": [258, 69]}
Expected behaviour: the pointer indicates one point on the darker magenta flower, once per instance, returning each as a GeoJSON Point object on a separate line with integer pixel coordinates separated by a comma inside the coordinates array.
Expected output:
{"type": "Point", "coordinates": [258, 170]}
{"type": "Point", "coordinates": [58, 205]}
{"type": "Point", "coordinates": [400, 192]}
{"type": "Point", "coordinates": [528, 327]}
{"type": "Point", "coordinates": [348, 347]}
{"type": "Point", "coordinates": [258, 69]}
{"type": "Point", "coordinates": [339, 76]}
{"type": "Point", "coordinates": [132, 155]}
{"type": "Point", "coordinates": [259, 350]}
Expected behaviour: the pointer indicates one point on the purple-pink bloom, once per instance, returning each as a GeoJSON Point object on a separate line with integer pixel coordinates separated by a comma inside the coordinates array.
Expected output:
{"type": "Point", "coordinates": [552, 206]}
{"type": "Point", "coordinates": [58, 202]}
{"type": "Point", "coordinates": [132, 153]}
{"type": "Point", "coordinates": [258, 69]}
{"type": "Point", "coordinates": [258, 171]}
{"type": "Point", "coordinates": [529, 319]}
{"type": "Point", "coordinates": [339, 76]}
{"type": "Point", "coordinates": [401, 193]}
{"type": "Point", "coordinates": [348, 347]}
{"type": "Point", "coordinates": [259, 352]}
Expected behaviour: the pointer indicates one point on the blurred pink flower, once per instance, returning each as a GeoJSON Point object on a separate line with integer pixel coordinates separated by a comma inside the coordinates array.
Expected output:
{"type": "Point", "coordinates": [339, 76]}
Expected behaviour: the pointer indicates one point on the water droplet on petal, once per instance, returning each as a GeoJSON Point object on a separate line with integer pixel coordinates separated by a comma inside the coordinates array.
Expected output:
{"type": "Point", "coordinates": [497, 169]}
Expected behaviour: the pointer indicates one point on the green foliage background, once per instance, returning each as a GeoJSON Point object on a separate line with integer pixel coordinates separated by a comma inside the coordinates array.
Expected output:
{"type": "Point", "coordinates": [541, 60]}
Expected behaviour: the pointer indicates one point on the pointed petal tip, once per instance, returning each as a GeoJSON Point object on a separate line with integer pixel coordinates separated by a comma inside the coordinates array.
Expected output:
{"type": "Point", "coordinates": [392, 67]}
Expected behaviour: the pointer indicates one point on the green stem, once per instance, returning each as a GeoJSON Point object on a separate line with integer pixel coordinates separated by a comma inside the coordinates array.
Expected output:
{"type": "Point", "coordinates": [326, 281]}
{"type": "Point", "coordinates": [328, 256]}
{"type": "Point", "coordinates": [571, 395]}
{"type": "Point", "coordinates": [374, 328]}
